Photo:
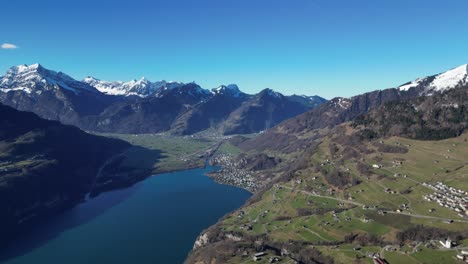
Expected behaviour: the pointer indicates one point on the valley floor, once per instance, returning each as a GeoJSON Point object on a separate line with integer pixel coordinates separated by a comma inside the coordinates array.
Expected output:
{"type": "Point", "coordinates": [153, 154]}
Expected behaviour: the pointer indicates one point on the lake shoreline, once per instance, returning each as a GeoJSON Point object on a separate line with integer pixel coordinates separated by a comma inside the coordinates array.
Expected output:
{"type": "Point", "coordinates": [207, 205]}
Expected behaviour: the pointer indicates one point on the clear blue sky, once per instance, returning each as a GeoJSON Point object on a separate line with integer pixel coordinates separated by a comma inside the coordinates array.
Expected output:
{"type": "Point", "coordinates": [325, 47]}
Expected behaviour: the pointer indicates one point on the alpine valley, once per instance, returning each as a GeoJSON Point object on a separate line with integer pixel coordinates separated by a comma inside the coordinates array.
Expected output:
{"type": "Point", "coordinates": [379, 177]}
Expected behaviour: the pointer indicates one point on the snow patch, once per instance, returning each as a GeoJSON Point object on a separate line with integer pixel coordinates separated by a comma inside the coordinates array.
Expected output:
{"type": "Point", "coordinates": [141, 88]}
{"type": "Point", "coordinates": [450, 79]}
{"type": "Point", "coordinates": [341, 102]}
{"type": "Point", "coordinates": [36, 78]}
{"type": "Point", "coordinates": [231, 89]}
{"type": "Point", "coordinates": [441, 82]}
{"type": "Point", "coordinates": [412, 84]}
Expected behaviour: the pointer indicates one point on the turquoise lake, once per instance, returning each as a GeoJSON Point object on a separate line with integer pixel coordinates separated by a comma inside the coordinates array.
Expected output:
{"type": "Point", "coordinates": [154, 221]}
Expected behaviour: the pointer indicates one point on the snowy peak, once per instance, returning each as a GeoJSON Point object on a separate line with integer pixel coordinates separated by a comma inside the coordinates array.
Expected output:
{"type": "Point", "coordinates": [190, 91]}
{"type": "Point", "coordinates": [112, 88]}
{"type": "Point", "coordinates": [190, 88]}
{"type": "Point", "coordinates": [141, 88]}
{"type": "Point", "coordinates": [35, 78]}
{"type": "Point", "coordinates": [91, 79]}
{"type": "Point", "coordinates": [24, 68]}
{"type": "Point", "coordinates": [231, 89]}
{"type": "Point", "coordinates": [440, 82]}
{"type": "Point", "coordinates": [451, 78]}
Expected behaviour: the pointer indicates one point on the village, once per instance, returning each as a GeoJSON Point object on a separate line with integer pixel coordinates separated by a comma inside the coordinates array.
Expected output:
{"type": "Point", "coordinates": [449, 197]}
{"type": "Point", "coordinates": [231, 173]}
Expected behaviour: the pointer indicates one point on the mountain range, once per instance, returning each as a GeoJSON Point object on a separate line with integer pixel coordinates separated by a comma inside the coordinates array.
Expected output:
{"type": "Point", "coordinates": [339, 109]}
{"type": "Point", "coordinates": [146, 107]}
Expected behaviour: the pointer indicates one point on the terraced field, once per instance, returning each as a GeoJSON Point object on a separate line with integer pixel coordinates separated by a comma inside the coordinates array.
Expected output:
{"type": "Point", "coordinates": [351, 223]}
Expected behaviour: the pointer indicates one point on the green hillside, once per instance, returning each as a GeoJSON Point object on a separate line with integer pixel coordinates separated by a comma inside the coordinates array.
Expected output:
{"type": "Point", "coordinates": [311, 211]}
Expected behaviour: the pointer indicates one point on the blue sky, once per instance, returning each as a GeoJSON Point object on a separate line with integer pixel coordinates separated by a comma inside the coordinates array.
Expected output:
{"type": "Point", "coordinates": [325, 47]}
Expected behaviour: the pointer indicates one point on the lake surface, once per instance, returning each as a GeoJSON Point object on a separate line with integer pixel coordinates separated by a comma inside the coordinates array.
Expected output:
{"type": "Point", "coordinates": [155, 221]}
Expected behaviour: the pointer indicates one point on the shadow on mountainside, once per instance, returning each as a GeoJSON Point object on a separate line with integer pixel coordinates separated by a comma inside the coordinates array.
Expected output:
{"type": "Point", "coordinates": [115, 184]}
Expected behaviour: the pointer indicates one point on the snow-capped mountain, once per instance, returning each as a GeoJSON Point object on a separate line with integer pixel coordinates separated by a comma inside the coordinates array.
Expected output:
{"type": "Point", "coordinates": [36, 79]}
{"type": "Point", "coordinates": [140, 88]}
{"type": "Point", "coordinates": [440, 82]}
{"type": "Point", "coordinates": [231, 89]}
{"type": "Point", "coordinates": [142, 106]}
{"type": "Point", "coordinates": [190, 89]}
{"type": "Point", "coordinates": [50, 94]}
{"type": "Point", "coordinates": [339, 109]}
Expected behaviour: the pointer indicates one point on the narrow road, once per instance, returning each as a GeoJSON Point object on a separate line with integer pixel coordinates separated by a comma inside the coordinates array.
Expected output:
{"type": "Point", "coordinates": [317, 234]}
{"type": "Point", "coordinates": [323, 196]}
{"type": "Point", "coordinates": [213, 151]}
{"type": "Point", "coordinates": [202, 151]}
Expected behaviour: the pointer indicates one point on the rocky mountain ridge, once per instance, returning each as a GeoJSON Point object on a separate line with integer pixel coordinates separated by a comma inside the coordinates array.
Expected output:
{"type": "Point", "coordinates": [143, 106]}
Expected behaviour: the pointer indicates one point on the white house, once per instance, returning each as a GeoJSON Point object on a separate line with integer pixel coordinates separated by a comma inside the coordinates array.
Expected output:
{"type": "Point", "coordinates": [447, 243]}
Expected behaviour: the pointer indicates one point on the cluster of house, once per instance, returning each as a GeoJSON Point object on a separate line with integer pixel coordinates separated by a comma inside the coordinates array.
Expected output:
{"type": "Point", "coordinates": [389, 191]}
{"type": "Point", "coordinates": [327, 162]}
{"type": "Point", "coordinates": [448, 243]}
{"type": "Point", "coordinates": [397, 163]}
{"type": "Point", "coordinates": [259, 255]}
{"type": "Point", "coordinates": [449, 197]}
{"type": "Point", "coordinates": [233, 174]}
{"type": "Point", "coordinates": [391, 248]}
{"type": "Point", "coordinates": [463, 256]}
{"type": "Point", "coordinates": [369, 207]}
{"type": "Point", "coordinates": [402, 207]}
